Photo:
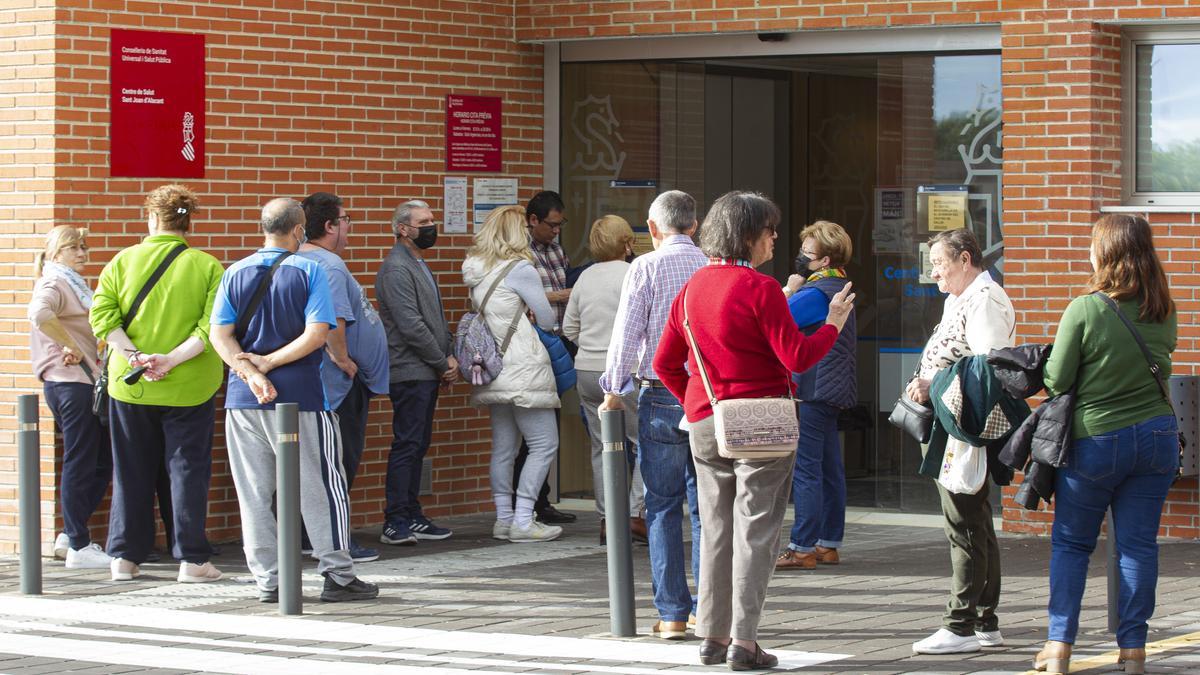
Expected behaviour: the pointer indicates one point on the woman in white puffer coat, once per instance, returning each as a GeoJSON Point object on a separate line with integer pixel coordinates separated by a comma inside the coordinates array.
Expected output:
{"type": "Point", "coordinates": [522, 399]}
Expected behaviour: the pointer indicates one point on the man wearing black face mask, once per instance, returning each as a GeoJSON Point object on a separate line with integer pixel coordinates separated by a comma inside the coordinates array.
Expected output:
{"type": "Point", "coordinates": [421, 361]}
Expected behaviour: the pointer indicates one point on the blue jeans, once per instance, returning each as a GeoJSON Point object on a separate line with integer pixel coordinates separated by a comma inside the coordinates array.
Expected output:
{"type": "Point", "coordinates": [818, 481]}
{"type": "Point", "coordinates": [670, 476]}
{"type": "Point", "coordinates": [1129, 470]}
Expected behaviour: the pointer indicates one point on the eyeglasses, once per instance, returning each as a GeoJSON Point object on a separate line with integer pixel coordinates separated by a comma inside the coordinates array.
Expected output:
{"type": "Point", "coordinates": [345, 219]}
{"type": "Point", "coordinates": [553, 224]}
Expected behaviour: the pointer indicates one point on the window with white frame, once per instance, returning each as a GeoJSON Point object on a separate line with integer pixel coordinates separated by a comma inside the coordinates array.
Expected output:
{"type": "Point", "coordinates": [1161, 116]}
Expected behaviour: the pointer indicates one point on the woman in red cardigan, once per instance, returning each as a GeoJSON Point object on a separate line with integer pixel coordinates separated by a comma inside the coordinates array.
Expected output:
{"type": "Point", "coordinates": [751, 347]}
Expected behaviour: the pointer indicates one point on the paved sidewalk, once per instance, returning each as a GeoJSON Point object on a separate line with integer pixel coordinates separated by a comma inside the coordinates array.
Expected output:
{"type": "Point", "coordinates": [472, 604]}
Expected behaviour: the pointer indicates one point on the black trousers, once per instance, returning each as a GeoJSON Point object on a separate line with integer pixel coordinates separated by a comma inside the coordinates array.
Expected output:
{"type": "Point", "coordinates": [87, 463]}
{"type": "Point", "coordinates": [352, 421]}
{"type": "Point", "coordinates": [413, 406]}
{"type": "Point", "coordinates": [144, 439]}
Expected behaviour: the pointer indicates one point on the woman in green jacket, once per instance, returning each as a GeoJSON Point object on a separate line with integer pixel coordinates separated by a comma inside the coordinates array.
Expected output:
{"type": "Point", "coordinates": [1126, 446]}
{"type": "Point", "coordinates": [166, 415]}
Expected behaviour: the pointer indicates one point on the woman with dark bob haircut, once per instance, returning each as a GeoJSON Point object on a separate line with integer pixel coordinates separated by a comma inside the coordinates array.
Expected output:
{"type": "Point", "coordinates": [1126, 448]}
{"type": "Point", "coordinates": [750, 347]}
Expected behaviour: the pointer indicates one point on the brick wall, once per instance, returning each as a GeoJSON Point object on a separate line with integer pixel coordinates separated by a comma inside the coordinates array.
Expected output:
{"type": "Point", "coordinates": [302, 96]}
{"type": "Point", "coordinates": [26, 208]}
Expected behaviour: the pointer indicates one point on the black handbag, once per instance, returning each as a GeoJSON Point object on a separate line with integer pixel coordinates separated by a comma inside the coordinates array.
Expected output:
{"type": "Point", "coordinates": [100, 395]}
{"type": "Point", "coordinates": [914, 419]}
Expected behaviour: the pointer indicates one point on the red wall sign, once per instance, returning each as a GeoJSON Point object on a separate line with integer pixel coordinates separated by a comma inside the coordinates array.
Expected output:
{"type": "Point", "coordinates": [156, 86]}
{"type": "Point", "coordinates": [473, 133]}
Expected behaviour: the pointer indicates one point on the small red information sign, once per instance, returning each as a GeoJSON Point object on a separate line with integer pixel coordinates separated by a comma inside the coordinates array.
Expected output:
{"type": "Point", "coordinates": [156, 88]}
{"type": "Point", "coordinates": [473, 133]}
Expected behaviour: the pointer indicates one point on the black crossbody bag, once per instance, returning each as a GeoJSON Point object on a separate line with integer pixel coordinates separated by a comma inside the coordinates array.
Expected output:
{"type": "Point", "coordinates": [264, 284]}
{"type": "Point", "coordinates": [100, 382]}
{"type": "Point", "coordinates": [1154, 369]}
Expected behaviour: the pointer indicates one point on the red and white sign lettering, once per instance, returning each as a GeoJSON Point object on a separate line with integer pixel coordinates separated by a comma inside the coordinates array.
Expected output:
{"type": "Point", "coordinates": [156, 87]}
{"type": "Point", "coordinates": [473, 133]}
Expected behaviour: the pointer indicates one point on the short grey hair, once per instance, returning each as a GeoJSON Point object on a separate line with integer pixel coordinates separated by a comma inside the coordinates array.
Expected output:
{"type": "Point", "coordinates": [280, 215]}
{"type": "Point", "coordinates": [735, 222]}
{"type": "Point", "coordinates": [403, 213]}
{"type": "Point", "coordinates": [958, 242]}
{"type": "Point", "coordinates": [673, 211]}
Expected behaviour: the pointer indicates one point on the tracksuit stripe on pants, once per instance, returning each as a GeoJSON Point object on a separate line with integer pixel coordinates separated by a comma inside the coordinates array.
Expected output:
{"type": "Point", "coordinates": [335, 481]}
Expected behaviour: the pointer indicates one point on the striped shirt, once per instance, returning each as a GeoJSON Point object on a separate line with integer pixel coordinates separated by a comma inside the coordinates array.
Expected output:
{"type": "Point", "coordinates": [649, 289]}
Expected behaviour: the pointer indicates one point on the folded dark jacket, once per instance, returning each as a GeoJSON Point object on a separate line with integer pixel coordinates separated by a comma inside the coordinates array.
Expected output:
{"type": "Point", "coordinates": [981, 395]}
{"type": "Point", "coordinates": [1019, 369]}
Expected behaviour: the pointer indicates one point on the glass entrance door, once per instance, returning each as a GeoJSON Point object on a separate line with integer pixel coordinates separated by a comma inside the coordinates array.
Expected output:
{"type": "Point", "coordinates": [860, 140]}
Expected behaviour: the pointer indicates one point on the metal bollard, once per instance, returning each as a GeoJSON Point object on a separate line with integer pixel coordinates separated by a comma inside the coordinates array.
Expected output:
{"type": "Point", "coordinates": [1114, 581]}
{"type": "Point", "coordinates": [287, 495]}
{"type": "Point", "coordinates": [30, 489]}
{"type": "Point", "coordinates": [616, 513]}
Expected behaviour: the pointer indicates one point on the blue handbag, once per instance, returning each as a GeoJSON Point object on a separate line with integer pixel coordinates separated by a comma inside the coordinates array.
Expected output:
{"type": "Point", "coordinates": [560, 361]}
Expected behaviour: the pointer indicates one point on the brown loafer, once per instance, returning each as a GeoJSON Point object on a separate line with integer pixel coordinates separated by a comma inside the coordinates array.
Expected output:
{"type": "Point", "coordinates": [669, 630]}
{"type": "Point", "coordinates": [827, 556]}
{"type": "Point", "coordinates": [637, 529]}
{"type": "Point", "coordinates": [790, 559]}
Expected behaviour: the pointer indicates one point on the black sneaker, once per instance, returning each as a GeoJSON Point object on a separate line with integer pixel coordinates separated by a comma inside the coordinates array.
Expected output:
{"type": "Point", "coordinates": [553, 516]}
{"type": "Point", "coordinates": [357, 589]}
{"type": "Point", "coordinates": [424, 528]}
{"type": "Point", "coordinates": [397, 533]}
{"type": "Point", "coordinates": [271, 596]}
{"type": "Point", "coordinates": [362, 554]}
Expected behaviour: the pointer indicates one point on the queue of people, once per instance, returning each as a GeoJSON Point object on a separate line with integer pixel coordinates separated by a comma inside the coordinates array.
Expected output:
{"type": "Point", "coordinates": [664, 336]}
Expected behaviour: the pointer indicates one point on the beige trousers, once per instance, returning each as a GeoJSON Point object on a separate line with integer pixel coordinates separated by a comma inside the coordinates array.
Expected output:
{"type": "Point", "coordinates": [742, 505]}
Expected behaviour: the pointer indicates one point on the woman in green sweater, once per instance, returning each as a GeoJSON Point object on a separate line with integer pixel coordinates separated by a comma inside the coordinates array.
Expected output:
{"type": "Point", "coordinates": [166, 415]}
{"type": "Point", "coordinates": [1126, 447]}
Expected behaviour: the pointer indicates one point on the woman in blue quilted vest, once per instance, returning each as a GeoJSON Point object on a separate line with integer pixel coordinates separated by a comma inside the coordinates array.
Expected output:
{"type": "Point", "coordinates": [819, 476]}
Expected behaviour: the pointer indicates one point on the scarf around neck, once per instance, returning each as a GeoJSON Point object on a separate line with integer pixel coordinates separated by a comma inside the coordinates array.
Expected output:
{"type": "Point", "coordinates": [54, 271]}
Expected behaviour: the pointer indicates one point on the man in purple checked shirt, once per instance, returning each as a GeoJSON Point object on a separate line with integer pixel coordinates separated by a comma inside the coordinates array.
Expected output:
{"type": "Point", "coordinates": [650, 287]}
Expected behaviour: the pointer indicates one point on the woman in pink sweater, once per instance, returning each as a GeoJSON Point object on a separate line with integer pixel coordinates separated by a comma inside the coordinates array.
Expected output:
{"type": "Point", "coordinates": [751, 346]}
{"type": "Point", "coordinates": [65, 360]}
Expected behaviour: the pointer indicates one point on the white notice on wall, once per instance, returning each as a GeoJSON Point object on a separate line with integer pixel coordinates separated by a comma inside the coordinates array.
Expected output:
{"type": "Point", "coordinates": [492, 193]}
{"type": "Point", "coordinates": [456, 205]}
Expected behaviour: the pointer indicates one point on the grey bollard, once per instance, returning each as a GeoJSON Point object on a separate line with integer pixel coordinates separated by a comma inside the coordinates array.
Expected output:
{"type": "Point", "coordinates": [616, 513]}
{"type": "Point", "coordinates": [287, 495]}
{"type": "Point", "coordinates": [30, 489]}
{"type": "Point", "coordinates": [1114, 580]}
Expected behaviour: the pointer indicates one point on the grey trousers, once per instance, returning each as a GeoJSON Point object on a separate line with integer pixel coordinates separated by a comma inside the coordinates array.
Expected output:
{"type": "Point", "coordinates": [742, 505]}
{"type": "Point", "coordinates": [324, 502]}
{"type": "Point", "coordinates": [974, 560]}
{"type": "Point", "coordinates": [540, 430]}
{"type": "Point", "coordinates": [591, 396]}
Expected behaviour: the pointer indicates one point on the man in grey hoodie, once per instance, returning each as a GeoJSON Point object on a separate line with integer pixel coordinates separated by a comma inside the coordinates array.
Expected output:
{"type": "Point", "coordinates": [421, 361]}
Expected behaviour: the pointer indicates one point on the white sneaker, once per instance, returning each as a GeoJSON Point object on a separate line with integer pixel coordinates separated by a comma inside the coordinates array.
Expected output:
{"type": "Point", "coordinates": [945, 642]}
{"type": "Point", "coordinates": [535, 532]}
{"type": "Point", "coordinates": [62, 544]}
{"type": "Point", "coordinates": [990, 638]}
{"type": "Point", "coordinates": [124, 570]}
{"type": "Point", "coordinates": [90, 557]}
{"type": "Point", "coordinates": [500, 529]}
{"type": "Point", "coordinates": [197, 574]}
